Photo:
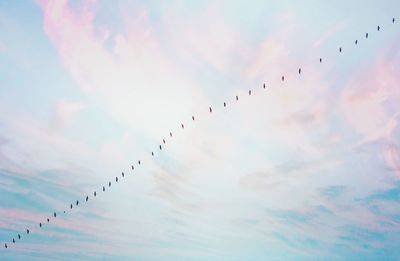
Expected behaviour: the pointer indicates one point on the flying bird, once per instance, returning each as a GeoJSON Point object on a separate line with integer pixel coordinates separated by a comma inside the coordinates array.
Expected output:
{"type": "Point", "coordinates": [224, 104]}
{"type": "Point", "coordinates": [182, 126]}
{"type": "Point", "coordinates": [104, 189]}
{"type": "Point", "coordinates": [109, 183]}
{"type": "Point", "coordinates": [123, 174]}
{"type": "Point", "coordinates": [393, 20]}
{"type": "Point", "coordinates": [356, 41]}
{"type": "Point", "coordinates": [13, 241]}
{"type": "Point", "coordinates": [163, 140]}
{"type": "Point", "coordinates": [48, 219]}
{"type": "Point", "coordinates": [366, 35]}
{"type": "Point", "coordinates": [170, 134]}
{"type": "Point", "coordinates": [71, 206]}
{"type": "Point", "coordinates": [264, 85]}
{"type": "Point", "coordinates": [139, 162]}
{"type": "Point", "coordinates": [55, 214]}
{"type": "Point", "coordinates": [299, 70]}
{"type": "Point", "coordinates": [340, 49]}
{"type": "Point", "coordinates": [40, 224]}
{"type": "Point", "coordinates": [19, 236]}
{"type": "Point", "coordinates": [249, 92]}
{"type": "Point", "coordinates": [5, 245]}
{"type": "Point", "coordinates": [193, 118]}
{"type": "Point", "coordinates": [94, 193]}
{"type": "Point", "coordinates": [152, 153]}
{"type": "Point", "coordinates": [77, 202]}
{"type": "Point", "coordinates": [379, 28]}
{"type": "Point", "coordinates": [210, 109]}
{"type": "Point", "coordinates": [133, 167]}
{"type": "Point", "coordinates": [283, 78]}
{"type": "Point", "coordinates": [27, 231]}
{"type": "Point", "coordinates": [237, 97]}
{"type": "Point", "coordinates": [87, 198]}
{"type": "Point", "coordinates": [320, 60]}
{"type": "Point", "coordinates": [116, 179]}
{"type": "Point", "coordinates": [160, 147]}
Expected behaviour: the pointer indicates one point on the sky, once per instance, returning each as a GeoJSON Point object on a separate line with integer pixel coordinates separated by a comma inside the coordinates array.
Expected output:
{"type": "Point", "coordinates": [306, 169]}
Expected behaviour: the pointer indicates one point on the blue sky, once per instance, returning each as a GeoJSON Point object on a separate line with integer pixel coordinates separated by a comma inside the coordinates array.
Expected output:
{"type": "Point", "coordinates": [306, 169]}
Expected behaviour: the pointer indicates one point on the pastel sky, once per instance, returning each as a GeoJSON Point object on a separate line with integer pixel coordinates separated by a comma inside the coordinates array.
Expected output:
{"type": "Point", "coordinates": [306, 169]}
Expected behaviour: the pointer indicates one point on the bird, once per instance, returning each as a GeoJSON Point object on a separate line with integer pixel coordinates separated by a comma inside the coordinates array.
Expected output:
{"type": "Point", "coordinates": [109, 183]}
{"type": "Point", "coordinates": [393, 20]}
{"type": "Point", "coordinates": [182, 126]}
{"type": "Point", "coordinates": [163, 140]}
{"type": "Point", "coordinates": [283, 78]}
{"type": "Point", "coordinates": [340, 49]}
{"type": "Point", "coordinates": [224, 104]}
{"type": "Point", "coordinates": [139, 162]}
{"type": "Point", "coordinates": [170, 134]}
{"type": "Point", "coordinates": [133, 167]}
{"type": "Point", "coordinates": [320, 60]}
{"type": "Point", "coordinates": [77, 202]}
{"type": "Point", "coordinates": [237, 97]}
{"type": "Point", "coordinates": [160, 147]}
{"type": "Point", "coordinates": [356, 41]}
{"type": "Point", "coordinates": [19, 236]}
{"type": "Point", "coordinates": [71, 206]}
{"type": "Point", "coordinates": [249, 92]}
{"type": "Point", "coordinates": [48, 219]}
{"type": "Point", "coordinates": [116, 179]}
{"type": "Point", "coordinates": [64, 211]}
{"type": "Point", "coordinates": [5, 245]}
{"type": "Point", "coordinates": [94, 193]}
{"type": "Point", "coordinates": [366, 35]}
{"type": "Point", "coordinates": [13, 241]}
{"type": "Point", "coordinates": [210, 109]}
{"type": "Point", "coordinates": [152, 154]}
{"type": "Point", "coordinates": [55, 214]}
{"type": "Point", "coordinates": [87, 198]}
{"type": "Point", "coordinates": [40, 224]}
{"type": "Point", "coordinates": [299, 70]}
{"type": "Point", "coordinates": [123, 174]}
{"type": "Point", "coordinates": [104, 189]}
{"type": "Point", "coordinates": [379, 28]}
{"type": "Point", "coordinates": [264, 85]}
{"type": "Point", "coordinates": [193, 118]}
{"type": "Point", "coordinates": [27, 231]}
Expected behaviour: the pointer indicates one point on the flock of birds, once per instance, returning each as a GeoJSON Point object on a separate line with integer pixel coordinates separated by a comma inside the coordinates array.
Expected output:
{"type": "Point", "coordinates": [160, 148]}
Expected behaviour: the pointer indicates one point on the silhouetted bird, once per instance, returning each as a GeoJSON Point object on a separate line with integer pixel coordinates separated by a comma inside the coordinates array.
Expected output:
{"type": "Point", "coordinates": [27, 231]}
{"type": "Point", "coordinates": [94, 193]}
{"type": "Point", "coordinates": [116, 179]}
{"type": "Point", "coordinates": [366, 35]}
{"type": "Point", "coordinates": [170, 134]}
{"type": "Point", "coordinates": [340, 49]}
{"type": "Point", "coordinates": [13, 241]}
{"type": "Point", "coordinates": [139, 162]}
{"type": "Point", "coordinates": [133, 167]}
{"type": "Point", "coordinates": [299, 70]}
{"type": "Point", "coordinates": [48, 219]}
{"type": "Point", "coordinates": [40, 224]}
{"type": "Point", "coordinates": [123, 174]}
{"type": "Point", "coordinates": [152, 153]}
{"type": "Point", "coordinates": [104, 189]}
{"type": "Point", "coordinates": [182, 126]}
{"type": "Point", "coordinates": [87, 198]}
{"type": "Point", "coordinates": [19, 236]}
{"type": "Point", "coordinates": [237, 97]}
{"type": "Point", "coordinates": [160, 147]}
{"type": "Point", "coordinates": [393, 20]}
{"type": "Point", "coordinates": [356, 41]}
{"type": "Point", "coordinates": [5, 245]}
{"type": "Point", "coordinates": [320, 60]}
{"type": "Point", "coordinates": [224, 104]}
{"type": "Point", "coordinates": [210, 109]}
{"type": "Point", "coordinates": [109, 183]}
{"type": "Point", "coordinates": [71, 206]}
{"type": "Point", "coordinates": [264, 85]}
{"type": "Point", "coordinates": [193, 118]}
{"type": "Point", "coordinates": [379, 28]}
{"type": "Point", "coordinates": [163, 140]}
{"type": "Point", "coordinates": [55, 214]}
{"type": "Point", "coordinates": [283, 78]}
{"type": "Point", "coordinates": [249, 92]}
{"type": "Point", "coordinates": [77, 202]}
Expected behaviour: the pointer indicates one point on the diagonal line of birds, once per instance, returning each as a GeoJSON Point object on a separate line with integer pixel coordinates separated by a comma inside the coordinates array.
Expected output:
{"type": "Point", "coordinates": [160, 147]}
